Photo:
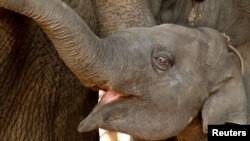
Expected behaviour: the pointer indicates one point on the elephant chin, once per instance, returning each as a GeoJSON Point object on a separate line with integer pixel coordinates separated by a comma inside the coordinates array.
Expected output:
{"type": "Point", "coordinates": [92, 121]}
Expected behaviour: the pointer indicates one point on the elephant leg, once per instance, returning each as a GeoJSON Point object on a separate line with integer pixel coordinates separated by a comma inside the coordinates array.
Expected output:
{"type": "Point", "coordinates": [40, 99]}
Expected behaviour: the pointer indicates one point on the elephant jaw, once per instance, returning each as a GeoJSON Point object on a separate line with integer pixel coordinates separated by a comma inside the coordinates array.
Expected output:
{"type": "Point", "coordinates": [93, 120]}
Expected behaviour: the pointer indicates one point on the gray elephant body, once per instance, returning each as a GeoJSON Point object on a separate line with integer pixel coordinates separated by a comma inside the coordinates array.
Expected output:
{"type": "Point", "coordinates": [39, 96]}
{"type": "Point", "coordinates": [55, 96]}
{"type": "Point", "coordinates": [114, 16]}
{"type": "Point", "coordinates": [229, 16]}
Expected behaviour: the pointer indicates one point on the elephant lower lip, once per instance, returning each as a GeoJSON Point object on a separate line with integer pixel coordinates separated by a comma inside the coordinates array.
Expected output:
{"type": "Point", "coordinates": [110, 96]}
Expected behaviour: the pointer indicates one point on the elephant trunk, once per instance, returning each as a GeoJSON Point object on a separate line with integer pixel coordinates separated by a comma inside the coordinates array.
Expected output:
{"type": "Point", "coordinates": [77, 45]}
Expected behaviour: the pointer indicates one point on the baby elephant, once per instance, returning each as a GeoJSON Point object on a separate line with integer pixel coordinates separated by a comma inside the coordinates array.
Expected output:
{"type": "Point", "coordinates": [156, 79]}
{"type": "Point", "coordinates": [189, 71]}
{"type": "Point", "coordinates": [193, 131]}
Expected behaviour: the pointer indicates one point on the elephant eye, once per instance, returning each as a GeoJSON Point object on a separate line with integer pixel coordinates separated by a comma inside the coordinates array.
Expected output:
{"type": "Point", "coordinates": [163, 61]}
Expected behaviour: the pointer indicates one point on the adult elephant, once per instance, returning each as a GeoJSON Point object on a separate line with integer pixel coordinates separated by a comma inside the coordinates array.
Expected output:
{"type": "Point", "coordinates": [40, 99]}
{"type": "Point", "coordinates": [48, 85]}
{"type": "Point", "coordinates": [113, 16]}
{"type": "Point", "coordinates": [229, 16]}
{"type": "Point", "coordinates": [156, 79]}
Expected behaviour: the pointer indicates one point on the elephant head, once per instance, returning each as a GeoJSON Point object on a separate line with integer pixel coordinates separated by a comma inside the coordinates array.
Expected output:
{"type": "Point", "coordinates": [156, 80]}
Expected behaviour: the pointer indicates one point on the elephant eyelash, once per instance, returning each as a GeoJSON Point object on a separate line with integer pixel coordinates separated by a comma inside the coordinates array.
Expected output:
{"type": "Point", "coordinates": [163, 61]}
{"type": "Point", "coordinates": [162, 58]}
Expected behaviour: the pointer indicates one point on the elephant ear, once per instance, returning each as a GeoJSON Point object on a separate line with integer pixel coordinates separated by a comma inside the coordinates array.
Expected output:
{"type": "Point", "coordinates": [227, 101]}
{"type": "Point", "coordinates": [225, 105]}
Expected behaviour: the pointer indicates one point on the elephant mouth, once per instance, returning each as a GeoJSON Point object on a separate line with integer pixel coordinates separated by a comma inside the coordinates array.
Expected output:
{"type": "Point", "coordinates": [102, 110]}
{"type": "Point", "coordinates": [110, 96]}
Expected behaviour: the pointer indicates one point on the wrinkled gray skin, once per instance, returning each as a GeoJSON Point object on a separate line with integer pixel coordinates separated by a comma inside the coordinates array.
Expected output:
{"type": "Point", "coordinates": [173, 72]}
{"type": "Point", "coordinates": [40, 98]}
{"type": "Point", "coordinates": [229, 16]}
{"type": "Point", "coordinates": [117, 15]}
{"type": "Point", "coordinates": [19, 38]}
